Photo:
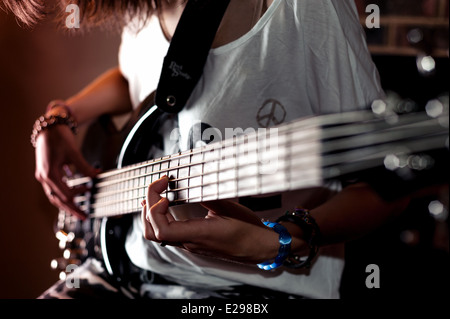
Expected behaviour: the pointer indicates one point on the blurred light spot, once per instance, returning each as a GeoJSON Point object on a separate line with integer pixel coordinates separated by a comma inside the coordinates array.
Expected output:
{"type": "Point", "coordinates": [379, 107]}
{"type": "Point", "coordinates": [62, 275]}
{"type": "Point", "coordinates": [420, 162]}
{"type": "Point", "coordinates": [66, 254]}
{"type": "Point", "coordinates": [61, 235]}
{"type": "Point", "coordinates": [391, 162]}
{"type": "Point", "coordinates": [54, 264]}
{"type": "Point", "coordinates": [415, 36]}
{"type": "Point", "coordinates": [426, 64]}
{"type": "Point", "coordinates": [437, 210]}
{"type": "Point", "coordinates": [434, 108]}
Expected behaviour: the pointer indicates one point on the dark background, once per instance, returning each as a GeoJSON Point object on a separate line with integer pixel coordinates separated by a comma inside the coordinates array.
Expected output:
{"type": "Point", "coordinates": [43, 64]}
{"type": "Point", "coordinates": [412, 250]}
{"type": "Point", "coordinates": [36, 66]}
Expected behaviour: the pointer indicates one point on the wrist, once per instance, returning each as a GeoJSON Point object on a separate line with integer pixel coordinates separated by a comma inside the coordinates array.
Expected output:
{"type": "Point", "coordinates": [57, 114]}
{"type": "Point", "coordinates": [309, 231]}
{"type": "Point", "coordinates": [299, 245]}
{"type": "Point", "coordinates": [284, 246]}
{"type": "Point", "coordinates": [60, 107]}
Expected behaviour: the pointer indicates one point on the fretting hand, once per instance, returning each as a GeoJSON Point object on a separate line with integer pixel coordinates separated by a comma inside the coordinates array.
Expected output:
{"type": "Point", "coordinates": [228, 231]}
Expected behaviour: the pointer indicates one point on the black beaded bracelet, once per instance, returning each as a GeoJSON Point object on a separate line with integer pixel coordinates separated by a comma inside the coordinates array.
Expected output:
{"type": "Point", "coordinates": [303, 219]}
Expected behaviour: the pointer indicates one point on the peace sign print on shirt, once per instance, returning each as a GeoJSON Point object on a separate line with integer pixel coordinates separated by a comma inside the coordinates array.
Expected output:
{"type": "Point", "coordinates": [271, 113]}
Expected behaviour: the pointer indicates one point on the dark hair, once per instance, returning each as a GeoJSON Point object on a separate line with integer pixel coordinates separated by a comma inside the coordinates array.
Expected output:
{"type": "Point", "coordinates": [93, 12]}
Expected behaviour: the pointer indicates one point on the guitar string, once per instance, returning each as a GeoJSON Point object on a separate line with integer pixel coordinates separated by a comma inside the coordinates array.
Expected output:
{"type": "Point", "coordinates": [325, 133]}
{"type": "Point", "coordinates": [326, 160]}
{"type": "Point", "coordinates": [331, 173]}
{"type": "Point", "coordinates": [195, 186]}
{"type": "Point", "coordinates": [357, 141]}
{"type": "Point", "coordinates": [315, 122]}
{"type": "Point", "coordinates": [190, 154]}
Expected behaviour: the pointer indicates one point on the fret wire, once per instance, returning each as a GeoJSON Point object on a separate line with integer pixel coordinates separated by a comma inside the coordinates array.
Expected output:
{"type": "Point", "coordinates": [203, 171]}
{"type": "Point", "coordinates": [289, 167]}
{"type": "Point", "coordinates": [160, 169]}
{"type": "Point", "coordinates": [177, 179]}
{"type": "Point", "coordinates": [189, 173]}
{"type": "Point", "coordinates": [168, 172]}
{"type": "Point", "coordinates": [218, 172]}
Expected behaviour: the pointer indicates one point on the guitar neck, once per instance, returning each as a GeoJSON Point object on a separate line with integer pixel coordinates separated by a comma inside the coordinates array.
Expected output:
{"type": "Point", "coordinates": [301, 154]}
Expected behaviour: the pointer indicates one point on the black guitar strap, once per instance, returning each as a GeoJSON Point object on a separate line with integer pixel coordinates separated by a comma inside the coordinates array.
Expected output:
{"type": "Point", "coordinates": [188, 51]}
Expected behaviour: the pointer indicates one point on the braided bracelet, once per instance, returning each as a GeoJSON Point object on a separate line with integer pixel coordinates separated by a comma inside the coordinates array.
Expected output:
{"type": "Point", "coordinates": [303, 219]}
{"type": "Point", "coordinates": [46, 121]}
{"type": "Point", "coordinates": [285, 240]}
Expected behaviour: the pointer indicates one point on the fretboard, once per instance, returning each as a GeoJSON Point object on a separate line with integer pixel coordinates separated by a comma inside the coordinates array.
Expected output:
{"type": "Point", "coordinates": [301, 154]}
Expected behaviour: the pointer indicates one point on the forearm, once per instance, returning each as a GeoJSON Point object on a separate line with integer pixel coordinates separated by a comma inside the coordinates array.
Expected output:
{"type": "Point", "coordinates": [354, 212]}
{"type": "Point", "coordinates": [108, 94]}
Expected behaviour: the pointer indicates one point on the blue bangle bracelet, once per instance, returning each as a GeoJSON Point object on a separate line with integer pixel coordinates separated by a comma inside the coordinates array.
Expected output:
{"type": "Point", "coordinates": [285, 240]}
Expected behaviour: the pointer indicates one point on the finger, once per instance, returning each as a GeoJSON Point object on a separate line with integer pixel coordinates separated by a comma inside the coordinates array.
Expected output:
{"type": "Point", "coordinates": [149, 234]}
{"type": "Point", "coordinates": [166, 228]}
{"type": "Point", "coordinates": [62, 201]}
{"type": "Point", "coordinates": [49, 193]}
{"type": "Point", "coordinates": [231, 209]}
{"type": "Point", "coordinates": [65, 192]}
{"type": "Point", "coordinates": [60, 188]}
{"type": "Point", "coordinates": [155, 189]}
{"type": "Point", "coordinates": [74, 210]}
{"type": "Point", "coordinates": [157, 217]}
{"type": "Point", "coordinates": [68, 207]}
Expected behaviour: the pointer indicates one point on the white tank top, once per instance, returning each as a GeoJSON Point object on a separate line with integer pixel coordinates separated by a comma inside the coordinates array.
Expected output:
{"type": "Point", "coordinates": [302, 58]}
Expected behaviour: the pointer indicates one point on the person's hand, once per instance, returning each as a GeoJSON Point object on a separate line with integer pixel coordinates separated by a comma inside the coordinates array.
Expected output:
{"type": "Point", "coordinates": [228, 231]}
{"type": "Point", "coordinates": [56, 150]}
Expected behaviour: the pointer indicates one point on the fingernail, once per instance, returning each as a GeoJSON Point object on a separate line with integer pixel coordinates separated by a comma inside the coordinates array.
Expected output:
{"type": "Point", "coordinates": [143, 203]}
